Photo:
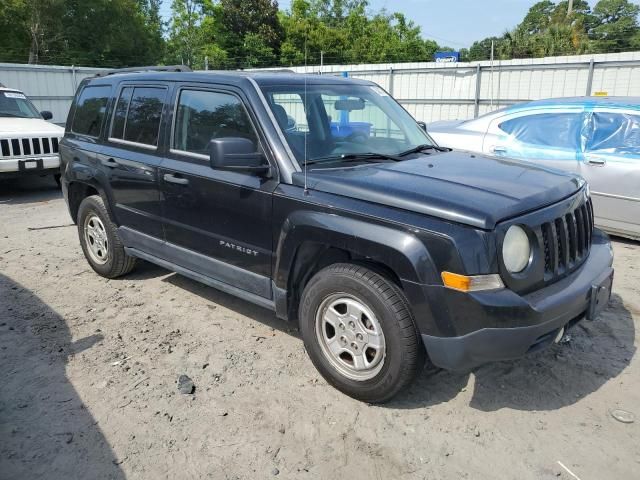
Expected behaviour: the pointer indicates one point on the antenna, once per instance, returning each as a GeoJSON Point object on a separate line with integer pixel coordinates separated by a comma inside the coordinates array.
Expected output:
{"type": "Point", "coordinates": [306, 192]}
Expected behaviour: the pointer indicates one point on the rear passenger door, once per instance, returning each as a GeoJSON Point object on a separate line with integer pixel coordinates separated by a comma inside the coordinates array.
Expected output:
{"type": "Point", "coordinates": [612, 167]}
{"type": "Point", "coordinates": [217, 222]}
{"type": "Point", "coordinates": [131, 154]}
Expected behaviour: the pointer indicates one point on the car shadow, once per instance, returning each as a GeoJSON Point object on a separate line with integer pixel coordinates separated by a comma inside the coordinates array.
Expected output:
{"type": "Point", "coordinates": [46, 430]}
{"type": "Point", "coordinates": [238, 305]}
{"type": "Point", "coordinates": [32, 189]}
{"type": "Point", "coordinates": [590, 355]}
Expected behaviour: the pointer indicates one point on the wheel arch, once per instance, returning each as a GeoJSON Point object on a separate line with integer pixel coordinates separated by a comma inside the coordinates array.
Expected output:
{"type": "Point", "coordinates": [311, 241]}
{"type": "Point", "coordinates": [77, 191]}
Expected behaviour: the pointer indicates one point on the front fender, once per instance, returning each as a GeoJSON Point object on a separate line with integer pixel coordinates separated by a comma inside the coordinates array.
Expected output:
{"type": "Point", "coordinates": [395, 247]}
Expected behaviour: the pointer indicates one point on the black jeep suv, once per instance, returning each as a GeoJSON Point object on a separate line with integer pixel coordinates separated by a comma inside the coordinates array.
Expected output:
{"type": "Point", "coordinates": [323, 200]}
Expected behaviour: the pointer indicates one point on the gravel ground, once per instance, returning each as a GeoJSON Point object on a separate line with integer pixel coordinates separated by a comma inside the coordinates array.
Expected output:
{"type": "Point", "coordinates": [89, 369]}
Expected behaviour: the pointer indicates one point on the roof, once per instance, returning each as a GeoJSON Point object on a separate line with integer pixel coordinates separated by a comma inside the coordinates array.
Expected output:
{"type": "Point", "coordinates": [262, 78]}
{"type": "Point", "coordinates": [7, 89]}
{"type": "Point", "coordinates": [620, 102]}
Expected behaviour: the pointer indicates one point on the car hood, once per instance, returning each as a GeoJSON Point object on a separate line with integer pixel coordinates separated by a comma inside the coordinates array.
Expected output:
{"type": "Point", "coordinates": [11, 126]}
{"type": "Point", "coordinates": [467, 188]}
{"type": "Point", "coordinates": [444, 125]}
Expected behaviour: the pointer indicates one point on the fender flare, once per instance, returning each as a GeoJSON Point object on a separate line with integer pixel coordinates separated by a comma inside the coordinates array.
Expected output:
{"type": "Point", "coordinates": [396, 248]}
{"type": "Point", "coordinates": [78, 173]}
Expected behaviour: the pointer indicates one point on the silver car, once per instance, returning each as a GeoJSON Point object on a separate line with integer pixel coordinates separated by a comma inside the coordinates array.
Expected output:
{"type": "Point", "coordinates": [597, 137]}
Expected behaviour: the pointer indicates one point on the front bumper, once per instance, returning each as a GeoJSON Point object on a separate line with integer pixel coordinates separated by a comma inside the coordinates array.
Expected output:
{"type": "Point", "coordinates": [19, 167]}
{"type": "Point", "coordinates": [510, 325]}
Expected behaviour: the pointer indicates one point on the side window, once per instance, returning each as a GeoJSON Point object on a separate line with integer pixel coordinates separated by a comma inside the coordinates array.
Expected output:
{"type": "Point", "coordinates": [555, 130]}
{"type": "Point", "coordinates": [90, 109]}
{"type": "Point", "coordinates": [614, 133]}
{"type": "Point", "coordinates": [137, 115]}
{"type": "Point", "coordinates": [203, 116]}
{"type": "Point", "coordinates": [120, 114]}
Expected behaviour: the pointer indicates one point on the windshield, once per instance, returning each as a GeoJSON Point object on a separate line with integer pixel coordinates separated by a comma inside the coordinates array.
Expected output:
{"type": "Point", "coordinates": [339, 123]}
{"type": "Point", "coordinates": [16, 104]}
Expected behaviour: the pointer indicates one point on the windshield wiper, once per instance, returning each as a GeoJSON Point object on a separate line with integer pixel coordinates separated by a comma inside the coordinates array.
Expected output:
{"type": "Point", "coordinates": [356, 157]}
{"type": "Point", "coordinates": [422, 148]}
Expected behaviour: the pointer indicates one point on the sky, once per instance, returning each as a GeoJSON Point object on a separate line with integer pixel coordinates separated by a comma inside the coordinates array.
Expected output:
{"type": "Point", "coordinates": [454, 23]}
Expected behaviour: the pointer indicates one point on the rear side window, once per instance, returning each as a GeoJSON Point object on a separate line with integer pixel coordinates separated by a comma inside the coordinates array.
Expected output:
{"type": "Point", "coordinates": [203, 116]}
{"type": "Point", "coordinates": [614, 133]}
{"type": "Point", "coordinates": [137, 115]}
{"type": "Point", "coordinates": [90, 110]}
{"type": "Point", "coordinates": [557, 130]}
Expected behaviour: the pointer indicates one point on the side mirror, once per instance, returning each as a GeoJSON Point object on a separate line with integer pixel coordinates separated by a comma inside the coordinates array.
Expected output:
{"type": "Point", "coordinates": [46, 115]}
{"type": "Point", "coordinates": [423, 125]}
{"type": "Point", "coordinates": [237, 154]}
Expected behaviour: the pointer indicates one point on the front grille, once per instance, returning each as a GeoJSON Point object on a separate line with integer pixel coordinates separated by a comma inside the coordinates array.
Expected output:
{"type": "Point", "coordinates": [567, 241]}
{"type": "Point", "coordinates": [24, 147]}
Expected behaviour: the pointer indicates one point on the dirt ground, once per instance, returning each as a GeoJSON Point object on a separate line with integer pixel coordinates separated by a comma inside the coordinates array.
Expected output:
{"type": "Point", "coordinates": [89, 368]}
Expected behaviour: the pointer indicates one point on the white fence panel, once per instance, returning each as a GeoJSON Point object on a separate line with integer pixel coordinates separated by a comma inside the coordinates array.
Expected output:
{"type": "Point", "coordinates": [429, 91]}
{"type": "Point", "coordinates": [49, 87]}
{"type": "Point", "coordinates": [434, 91]}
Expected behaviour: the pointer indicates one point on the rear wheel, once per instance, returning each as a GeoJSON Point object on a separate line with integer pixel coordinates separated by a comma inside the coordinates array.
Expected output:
{"type": "Point", "coordinates": [99, 239]}
{"type": "Point", "coordinates": [359, 332]}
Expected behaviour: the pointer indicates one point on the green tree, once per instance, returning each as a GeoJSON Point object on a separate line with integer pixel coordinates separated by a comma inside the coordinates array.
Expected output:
{"type": "Point", "coordinates": [185, 42]}
{"type": "Point", "coordinates": [616, 25]}
{"type": "Point", "coordinates": [346, 33]}
{"type": "Point", "coordinates": [248, 29]}
{"type": "Point", "coordinates": [538, 17]}
{"type": "Point", "coordinates": [150, 10]}
{"type": "Point", "coordinates": [481, 50]}
{"type": "Point", "coordinates": [29, 29]}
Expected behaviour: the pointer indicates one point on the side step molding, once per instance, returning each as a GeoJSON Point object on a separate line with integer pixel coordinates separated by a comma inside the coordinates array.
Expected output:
{"type": "Point", "coordinates": [231, 290]}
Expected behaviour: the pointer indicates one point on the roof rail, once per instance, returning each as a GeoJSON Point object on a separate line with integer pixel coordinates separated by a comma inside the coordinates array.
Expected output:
{"type": "Point", "coordinates": [266, 70]}
{"type": "Point", "coordinates": [159, 68]}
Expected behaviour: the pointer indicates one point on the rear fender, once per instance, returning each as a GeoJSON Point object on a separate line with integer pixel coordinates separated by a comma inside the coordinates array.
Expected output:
{"type": "Point", "coordinates": [79, 173]}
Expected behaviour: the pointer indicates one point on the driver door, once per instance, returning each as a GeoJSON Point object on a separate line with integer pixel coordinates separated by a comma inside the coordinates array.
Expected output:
{"type": "Point", "coordinates": [217, 222]}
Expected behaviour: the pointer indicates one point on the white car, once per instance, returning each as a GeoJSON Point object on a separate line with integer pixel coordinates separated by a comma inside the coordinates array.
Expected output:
{"type": "Point", "coordinates": [596, 137]}
{"type": "Point", "coordinates": [28, 143]}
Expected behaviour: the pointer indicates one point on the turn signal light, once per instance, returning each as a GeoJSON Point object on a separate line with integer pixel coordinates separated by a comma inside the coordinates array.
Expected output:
{"type": "Point", "coordinates": [471, 283]}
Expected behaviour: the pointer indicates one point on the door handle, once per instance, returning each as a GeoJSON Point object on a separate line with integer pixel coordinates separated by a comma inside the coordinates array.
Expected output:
{"type": "Point", "coordinates": [171, 178]}
{"type": "Point", "coordinates": [111, 163]}
{"type": "Point", "coordinates": [596, 161]}
{"type": "Point", "coordinates": [499, 149]}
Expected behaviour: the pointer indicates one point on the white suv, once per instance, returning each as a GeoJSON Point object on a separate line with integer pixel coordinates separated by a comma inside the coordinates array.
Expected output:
{"type": "Point", "coordinates": [28, 143]}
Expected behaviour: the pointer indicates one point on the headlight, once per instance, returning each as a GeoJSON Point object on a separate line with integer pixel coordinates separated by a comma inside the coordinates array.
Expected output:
{"type": "Point", "coordinates": [516, 250]}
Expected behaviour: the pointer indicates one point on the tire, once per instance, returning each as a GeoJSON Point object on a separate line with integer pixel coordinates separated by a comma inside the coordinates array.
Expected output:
{"type": "Point", "coordinates": [371, 367]}
{"type": "Point", "coordinates": [99, 239]}
{"type": "Point", "coordinates": [56, 177]}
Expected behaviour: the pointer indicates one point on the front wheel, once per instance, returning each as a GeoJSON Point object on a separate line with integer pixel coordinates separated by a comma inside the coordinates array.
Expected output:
{"type": "Point", "coordinates": [359, 332]}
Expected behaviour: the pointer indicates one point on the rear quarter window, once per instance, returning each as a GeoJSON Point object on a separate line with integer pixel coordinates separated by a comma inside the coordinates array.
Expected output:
{"type": "Point", "coordinates": [90, 110]}
{"type": "Point", "coordinates": [614, 133]}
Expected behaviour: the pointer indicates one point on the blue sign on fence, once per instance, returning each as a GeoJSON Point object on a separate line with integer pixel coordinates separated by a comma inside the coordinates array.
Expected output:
{"type": "Point", "coordinates": [447, 57]}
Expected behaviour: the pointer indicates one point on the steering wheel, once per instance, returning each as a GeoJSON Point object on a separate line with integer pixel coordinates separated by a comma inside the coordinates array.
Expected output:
{"type": "Point", "coordinates": [357, 137]}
